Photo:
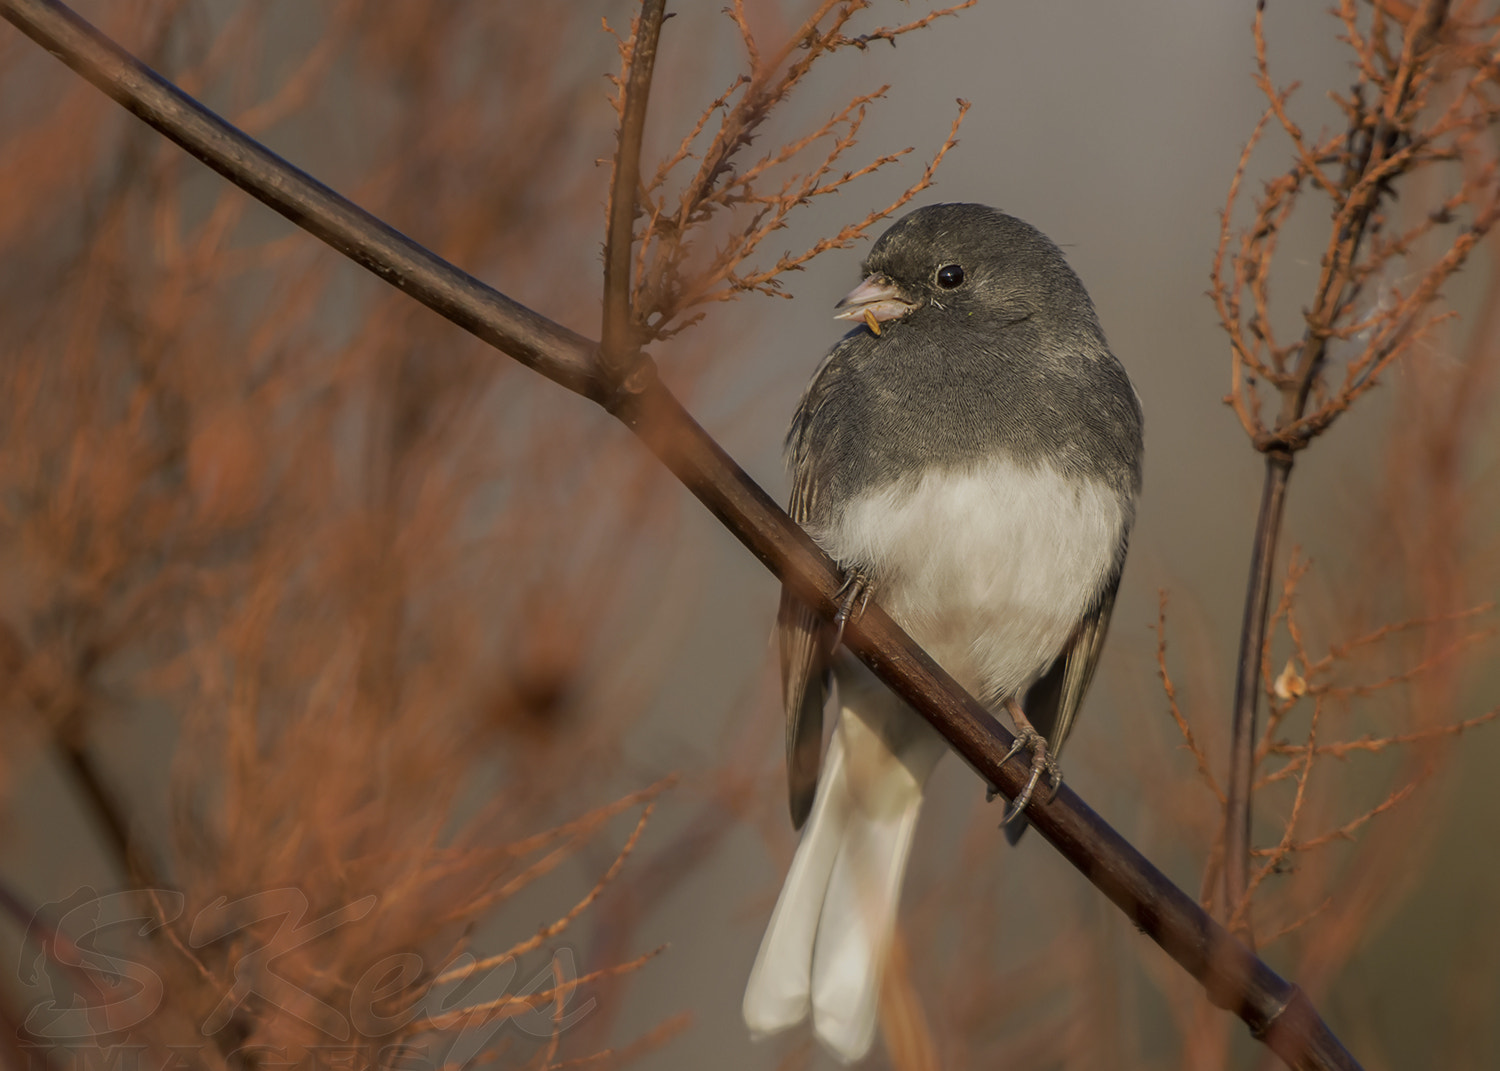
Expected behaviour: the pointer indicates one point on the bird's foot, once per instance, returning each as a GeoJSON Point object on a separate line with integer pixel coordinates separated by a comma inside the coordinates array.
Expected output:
{"type": "Point", "coordinates": [1042, 762]}
{"type": "Point", "coordinates": [853, 597]}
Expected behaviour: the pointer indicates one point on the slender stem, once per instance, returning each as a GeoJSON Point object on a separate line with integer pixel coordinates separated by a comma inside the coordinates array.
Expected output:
{"type": "Point", "coordinates": [615, 342]}
{"type": "Point", "coordinates": [1247, 689]}
{"type": "Point", "coordinates": [133, 859]}
{"type": "Point", "coordinates": [1328, 307]}
{"type": "Point", "coordinates": [1277, 1012]}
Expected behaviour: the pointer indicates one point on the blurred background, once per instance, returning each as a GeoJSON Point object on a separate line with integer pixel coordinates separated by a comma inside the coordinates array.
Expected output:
{"type": "Point", "coordinates": [314, 608]}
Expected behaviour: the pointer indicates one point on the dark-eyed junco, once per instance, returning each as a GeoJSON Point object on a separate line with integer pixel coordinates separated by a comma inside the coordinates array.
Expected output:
{"type": "Point", "coordinates": [970, 454]}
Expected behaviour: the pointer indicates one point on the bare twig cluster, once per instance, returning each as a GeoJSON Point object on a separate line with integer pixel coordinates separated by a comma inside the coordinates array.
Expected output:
{"type": "Point", "coordinates": [267, 552]}
{"type": "Point", "coordinates": [707, 191]}
{"type": "Point", "coordinates": [1321, 688]}
{"type": "Point", "coordinates": [1426, 99]}
{"type": "Point", "coordinates": [1421, 114]}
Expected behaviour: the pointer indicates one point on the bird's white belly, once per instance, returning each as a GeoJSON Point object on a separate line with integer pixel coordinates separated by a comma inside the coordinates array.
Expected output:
{"type": "Point", "coordinates": [989, 567]}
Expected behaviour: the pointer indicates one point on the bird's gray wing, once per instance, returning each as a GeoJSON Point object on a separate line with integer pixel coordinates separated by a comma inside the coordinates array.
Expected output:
{"type": "Point", "coordinates": [1053, 701]}
{"type": "Point", "coordinates": [806, 644]}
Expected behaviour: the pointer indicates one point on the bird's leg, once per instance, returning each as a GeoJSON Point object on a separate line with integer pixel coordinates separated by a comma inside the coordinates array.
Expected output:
{"type": "Point", "coordinates": [1028, 739]}
{"type": "Point", "coordinates": [853, 597]}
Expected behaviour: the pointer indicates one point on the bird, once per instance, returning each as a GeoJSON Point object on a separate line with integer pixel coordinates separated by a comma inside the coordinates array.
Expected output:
{"type": "Point", "coordinates": [970, 455]}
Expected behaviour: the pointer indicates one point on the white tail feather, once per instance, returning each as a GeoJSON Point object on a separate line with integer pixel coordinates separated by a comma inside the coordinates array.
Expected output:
{"type": "Point", "coordinates": [826, 945]}
{"type": "Point", "coordinates": [857, 924]}
{"type": "Point", "coordinates": [778, 993]}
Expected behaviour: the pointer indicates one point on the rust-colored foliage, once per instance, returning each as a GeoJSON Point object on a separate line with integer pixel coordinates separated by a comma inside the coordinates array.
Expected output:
{"type": "Point", "coordinates": [707, 192]}
{"type": "Point", "coordinates": [1422, 117]}
{"type": "Point", "coordinates": [331, 556]}
{"type": "Point", "coordinates": [377, 601]}
{"type": "Point", "coordinates": [1424, 101]}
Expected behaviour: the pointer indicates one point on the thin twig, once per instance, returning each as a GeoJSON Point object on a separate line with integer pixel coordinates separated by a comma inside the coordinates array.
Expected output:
{"type": "Point", "coordinates": [1247, 687]}
{"type": "Point", "coordinates": [556, 928]}
{"type": "Point", "coordinates": [503, 1007]}
{"type": "Point", "coordinates": [1205, 770]}
{"type": "Point", "coordinates": [109, 812]}
{"type": "Point", "coordinates": [616, 345]}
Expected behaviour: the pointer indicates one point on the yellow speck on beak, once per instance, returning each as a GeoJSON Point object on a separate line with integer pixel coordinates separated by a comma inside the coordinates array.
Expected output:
{"type": "Point", "coordinates": [872, 323]}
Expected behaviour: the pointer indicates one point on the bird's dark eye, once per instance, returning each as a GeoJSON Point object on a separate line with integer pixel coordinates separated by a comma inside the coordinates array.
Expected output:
{"type": "Point", "coordinates": [950, 277]}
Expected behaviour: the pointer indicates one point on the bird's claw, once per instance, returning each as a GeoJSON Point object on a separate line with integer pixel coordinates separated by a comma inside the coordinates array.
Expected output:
{"type": "Point", "coordinates": [856, 590]}
{"type": "Point", "coordinates": [1042, 762]}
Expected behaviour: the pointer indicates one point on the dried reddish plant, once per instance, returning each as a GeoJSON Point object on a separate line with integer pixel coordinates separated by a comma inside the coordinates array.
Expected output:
{"type": "Point", "coordinates": [1346, 832]}
{"type": "Point", "coordinates": [1424, 100]}
{"type": "Point", "coordinates": [1311, 686]}
{"type": "Point", "coordinates": [1421, 117]}
{"type": "Point", "coordinates": [340, 565]}
{"type": "Point", "coordinates": [708, 192]}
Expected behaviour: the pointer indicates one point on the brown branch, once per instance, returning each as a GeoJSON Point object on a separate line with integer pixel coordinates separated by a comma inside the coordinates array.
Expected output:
{"type": "Point", "coordinates": [504, 1007]}
{"type": "Point", "coordinates": [1247, 686]}
{"type": "Point", "coordinates": [132, 857]}
{"type": "Point", "coordinates": [616, 348]}
{"type": "Point", "coordinates": [1376, 744]}
{"type": "Point", "coordinates": [1343, 650]}
{"type": "Point", "coordinates": [1277, 1012]}
{"type": "Point", "coordinates": [1275, 856]}
{"type": "Point", "coordinates": [890, 33]}
{"type": "Point", "coordinates": [1348, 829]}
{"type": "Point", "coordinates": [584, 824]}
{"type": "Point", "coordinates": [556, 928]}
{"type": "Point", "coordinates": [1299, 922]}
{"type": "Point", "coordinates": [572, 834]}
{"type": "Point", "coordinates": [650, 1041]}
{"type": "Point", "coordinates": [1280, 705]}
{"type": "Point", "coordinates": [1438, 658]}
{"type": "Point", "coordinates": [850, 232]}
{"type": "Point", "coordinates": [559, 354]}
{"type": "Point", "coordinates": [1278, 99]}
{"type": "Point", "coordinates": [1226, 297]}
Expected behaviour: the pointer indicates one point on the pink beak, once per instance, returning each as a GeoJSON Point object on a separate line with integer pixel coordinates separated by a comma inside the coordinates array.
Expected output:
{"type": "Point", "coordinates": [874, 301]}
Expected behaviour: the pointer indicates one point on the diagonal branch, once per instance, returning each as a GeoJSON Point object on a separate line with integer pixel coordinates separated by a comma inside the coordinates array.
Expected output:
{"type": "Point", "coordinates": [559, 354]}
{"type": "Point", "coordinates": [1276, 1011]}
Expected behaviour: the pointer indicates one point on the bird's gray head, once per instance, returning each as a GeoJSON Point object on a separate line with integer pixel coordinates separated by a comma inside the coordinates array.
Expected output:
{"type": "Point", "coordinates": [972, 262]}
